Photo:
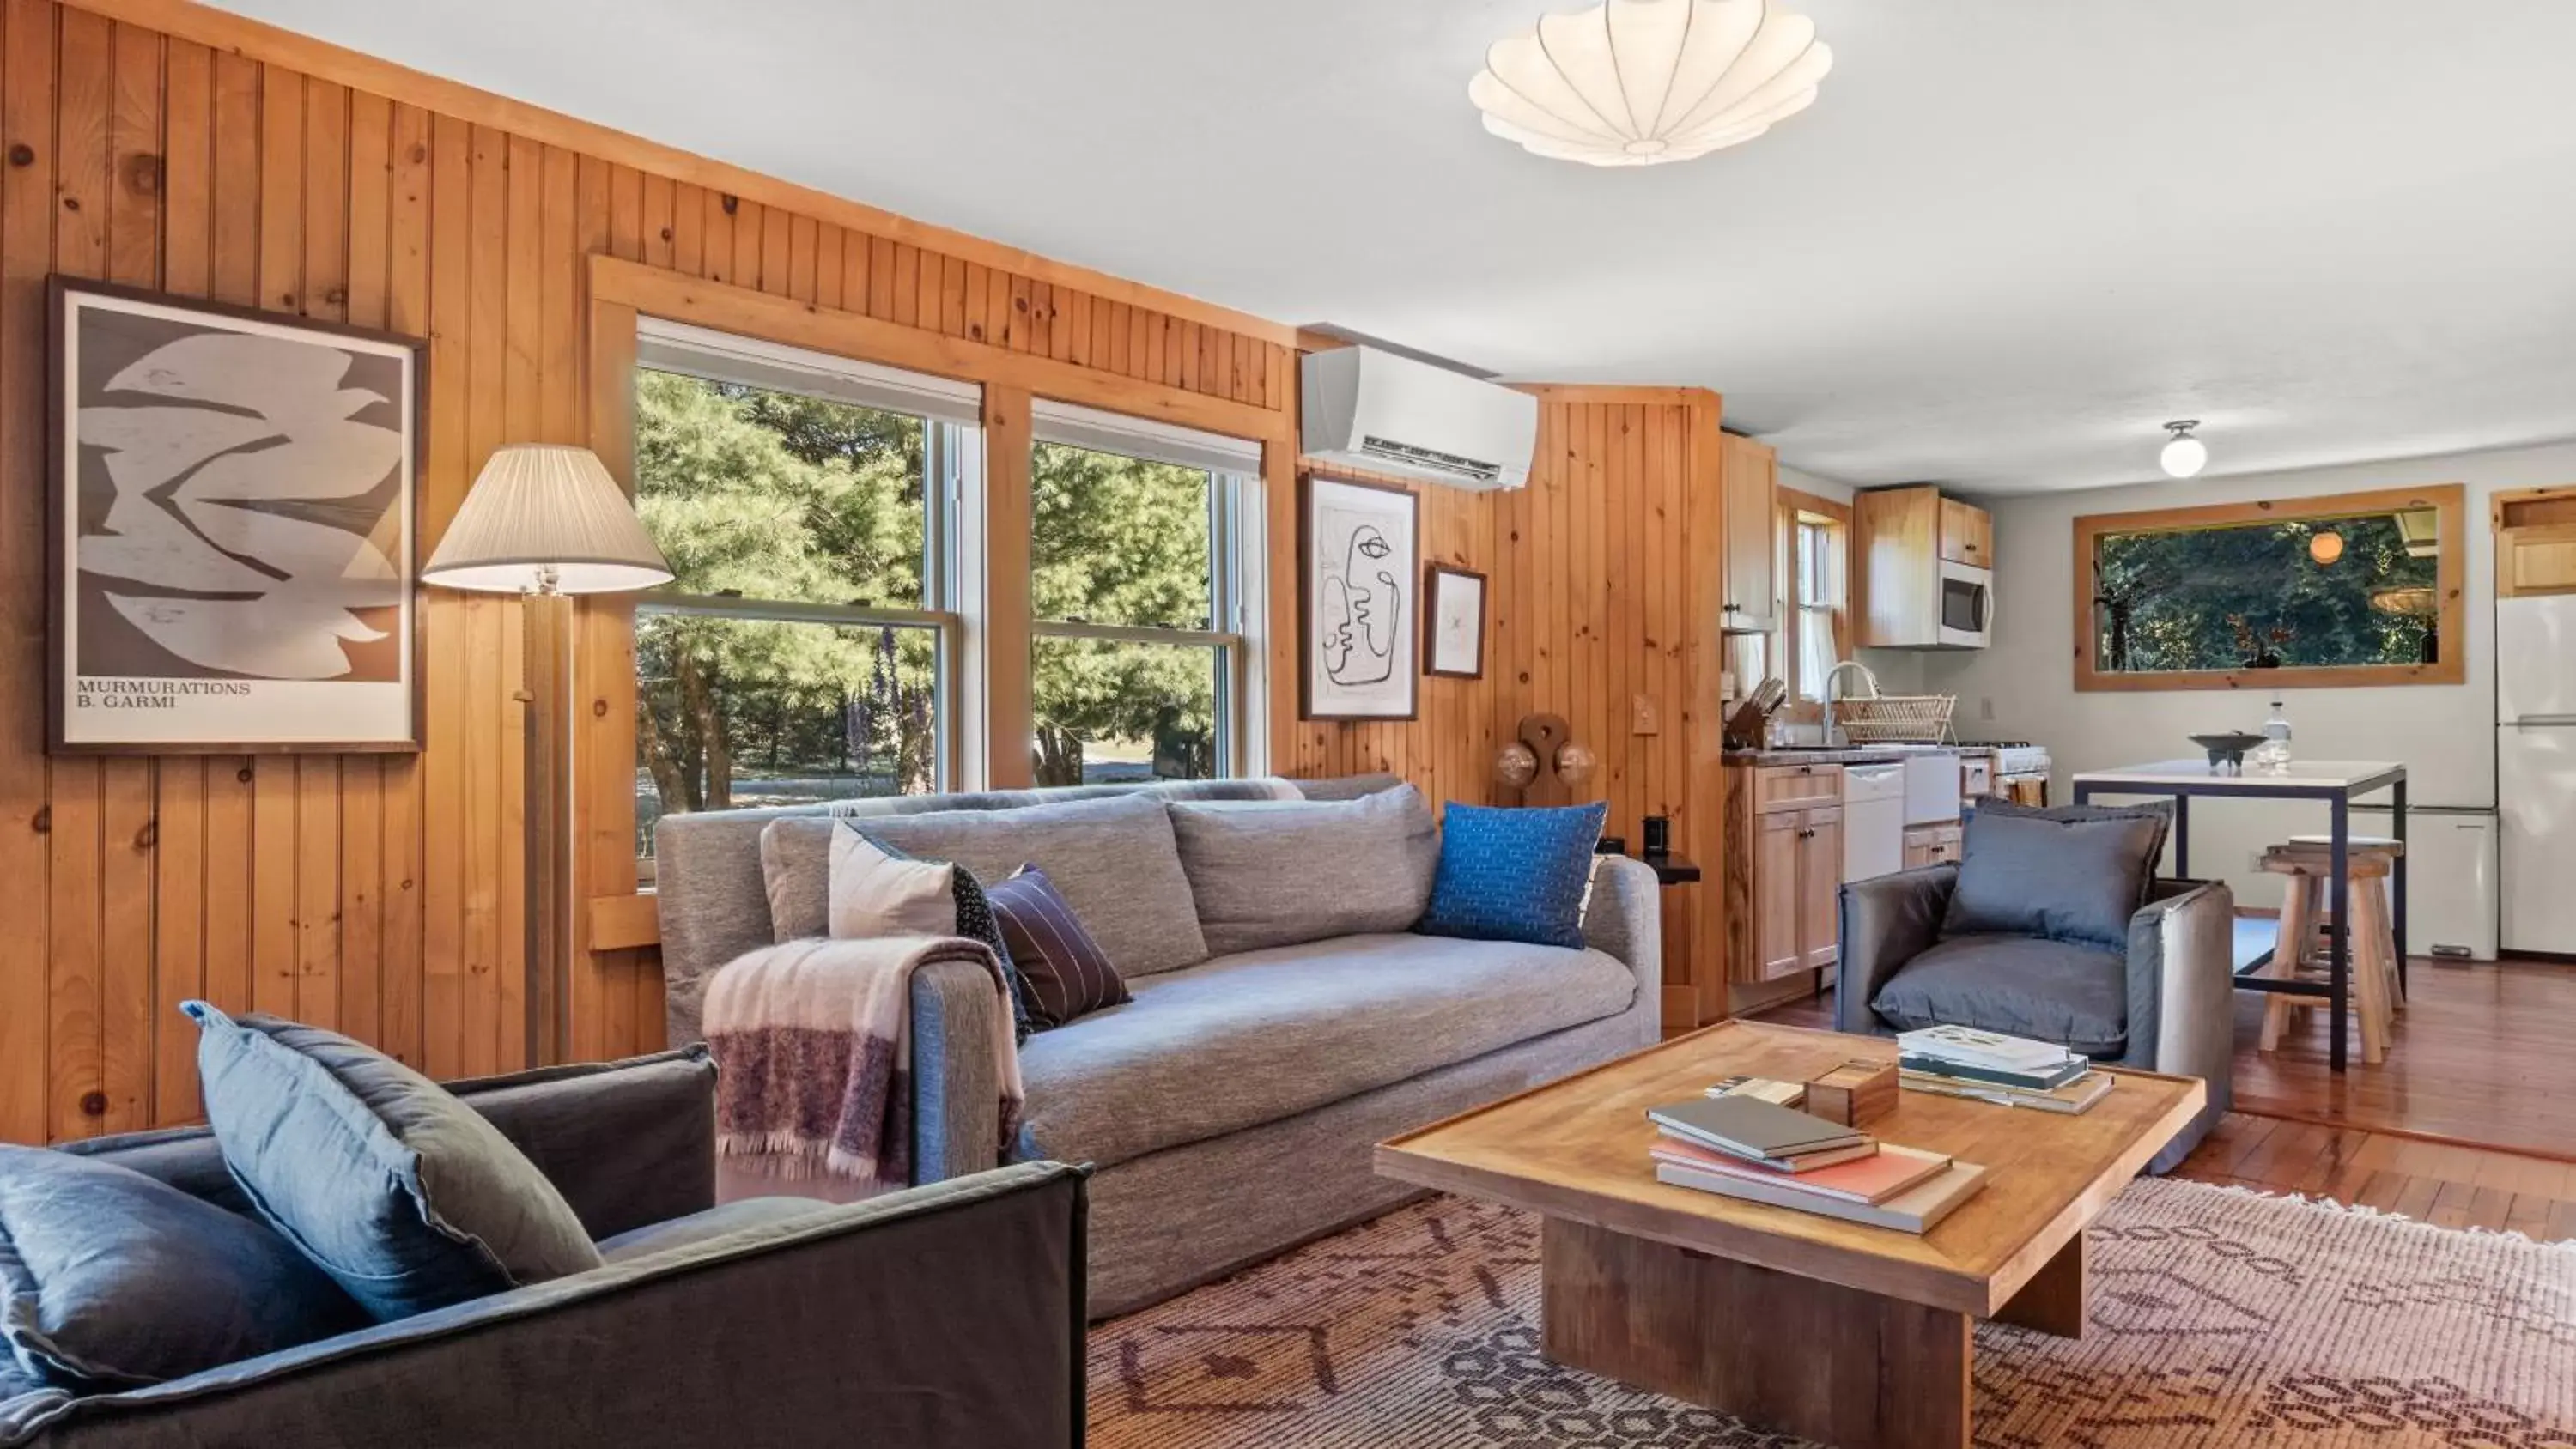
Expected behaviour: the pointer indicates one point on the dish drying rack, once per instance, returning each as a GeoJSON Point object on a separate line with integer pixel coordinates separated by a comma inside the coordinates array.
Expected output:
{"type": "Point", "coordinates": [1888, 719]}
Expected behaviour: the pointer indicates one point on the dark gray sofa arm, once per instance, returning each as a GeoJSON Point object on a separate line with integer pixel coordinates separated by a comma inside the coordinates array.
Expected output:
{"type": "Point", "coordinates": [2182, 996]}
{"type": "Point", "coordinates": [1886, 921]}
{"type": "Point", "coordinates": [947, 1315]}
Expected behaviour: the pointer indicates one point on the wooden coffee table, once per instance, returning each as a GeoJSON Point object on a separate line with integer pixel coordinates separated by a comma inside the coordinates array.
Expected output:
{"type": "Point", "coordinates": [1852, 1335]}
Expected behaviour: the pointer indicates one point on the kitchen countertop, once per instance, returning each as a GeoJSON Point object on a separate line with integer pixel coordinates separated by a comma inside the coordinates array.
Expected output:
{"type": "Point", "coordinates": [1852, 755]}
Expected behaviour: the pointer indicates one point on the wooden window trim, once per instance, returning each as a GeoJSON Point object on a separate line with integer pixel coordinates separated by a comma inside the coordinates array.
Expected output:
{"type": "Point", "coordinates": [2449, 501]}
{"type": "Point", "coordinates": [1784, 639]}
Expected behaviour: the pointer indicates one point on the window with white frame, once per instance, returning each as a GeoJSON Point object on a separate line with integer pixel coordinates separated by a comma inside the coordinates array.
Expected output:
{"type": "Point", "coordinates": [1818, 574]}
{"type": "Point", "coordinates": [1145, 554]}
{"type": "Point", "coordinates": [808, 648]}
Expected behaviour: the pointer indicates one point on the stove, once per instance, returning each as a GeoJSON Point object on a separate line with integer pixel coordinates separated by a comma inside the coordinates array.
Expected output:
{"type": "Point", "coordinates": [2016, 757]}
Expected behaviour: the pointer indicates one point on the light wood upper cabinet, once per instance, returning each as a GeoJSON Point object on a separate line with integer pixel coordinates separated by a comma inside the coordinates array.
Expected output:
{"type": "Point", "coordinates": [1751, 479]}
{"type": "Point", "coordinates": [2537, 560]}
{"type": "Point", "coordinates": [1967, 533]}
{"type": "Point", "coordinates": [1900, 539]}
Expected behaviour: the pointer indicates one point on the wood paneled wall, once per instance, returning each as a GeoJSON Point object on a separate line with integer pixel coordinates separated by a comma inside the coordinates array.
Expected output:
{"type": "Point", "coordinates": [1591, 575]}
{"type": "Point", "coordinates": [214, 157]}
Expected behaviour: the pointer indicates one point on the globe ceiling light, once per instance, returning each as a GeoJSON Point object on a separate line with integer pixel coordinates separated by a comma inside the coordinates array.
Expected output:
{"type": "Point", "coordinates": [1637, 82]}
{"type": "Point", "coordinates": [2184, 455]}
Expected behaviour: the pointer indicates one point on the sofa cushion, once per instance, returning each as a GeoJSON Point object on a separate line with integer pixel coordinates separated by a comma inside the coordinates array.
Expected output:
{"type": "Point", "coordinates": [719, 1221]}
{"type": "Point", "coordinates": [877, 892]}
{"type": "Point", "coordinates": [1515, 875]}
{"type": "Point", "coordinates": [407, 1197]}
{"type": "Point", "coordinates": [2069, 873]}
{"type": "Point", "coordinates": [110, 1279]}
{"type": "Point", "coordinates": [1256, 1037]}
{"type": "Point", "coordinates": [1062, 970]}
{"type": "Point", "coordinates": [1113, 858]}
{"type": "Point", "coordinates": [2056, 991]}
{"type": "Point", "coordinates": [1278, 874]}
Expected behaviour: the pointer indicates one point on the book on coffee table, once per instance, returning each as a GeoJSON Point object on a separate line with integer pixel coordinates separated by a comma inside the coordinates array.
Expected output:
{"type": "Point", "coordinates": [2037, 1080]}
{"type": "Point", "coordinates": [2074, 1097]}
{"type": "Point", "coordinates": [1917, 1210]}
{"type": "Point", "coordinates": [1748, 1127]}
{"type": "Point", "coordinates": [1973, 1046]}
{"type": "Point", "coordinates": [1796, 1162]}
{"type": "Point", "coordinates": [1883, 1174]}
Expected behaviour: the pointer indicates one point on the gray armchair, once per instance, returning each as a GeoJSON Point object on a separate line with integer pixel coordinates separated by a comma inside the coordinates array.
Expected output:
{"type": "Point", "coordinates": [942, 1315]}
{"type": "Point", "coordinates": [2167, 1005]}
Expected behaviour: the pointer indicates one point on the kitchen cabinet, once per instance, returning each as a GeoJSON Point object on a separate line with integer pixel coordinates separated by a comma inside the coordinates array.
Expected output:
{"type": "Point", "coordinates": [1783, 869]}
{"type": "Point", "coordinates": [1750, 481]}
{"type": "Point", "coordinates": [2540, 559]}
{"type": "Point", "coordinates": [1901, 539]}
{"type": "Point", "coordinates": [1932, 845]}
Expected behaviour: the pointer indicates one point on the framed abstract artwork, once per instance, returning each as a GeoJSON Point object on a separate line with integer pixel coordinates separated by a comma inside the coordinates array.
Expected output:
{"type": "Point", "coordinates": [1357, 567]}
{"type": "Point", "coordinates": [231, 517]}
{"type": "Point", "coordinates": [1453, 622]}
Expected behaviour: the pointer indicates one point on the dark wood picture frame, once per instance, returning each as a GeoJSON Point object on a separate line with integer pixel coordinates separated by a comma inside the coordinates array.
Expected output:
{"type": "Point", "coordinates": [1432, 574]}
{"type": "Point", "coordinates": [1404, 637]}
{"type": "Point", "coordinates": [60, 294]}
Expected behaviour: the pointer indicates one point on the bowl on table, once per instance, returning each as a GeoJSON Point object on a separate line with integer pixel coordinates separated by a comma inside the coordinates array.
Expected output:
{"type": "Point", "coordinates": [2227, 751]}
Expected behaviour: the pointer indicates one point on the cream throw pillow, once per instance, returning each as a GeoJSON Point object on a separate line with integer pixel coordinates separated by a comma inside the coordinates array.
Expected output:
{"type": "Point", "coordinates": [875, 893]}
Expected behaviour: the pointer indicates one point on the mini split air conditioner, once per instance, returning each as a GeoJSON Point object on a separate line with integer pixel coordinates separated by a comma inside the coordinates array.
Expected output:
{"type": "Point", "coordinates": [1391, 414]}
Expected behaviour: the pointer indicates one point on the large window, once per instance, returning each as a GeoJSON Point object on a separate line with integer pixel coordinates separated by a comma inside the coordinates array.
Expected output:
{"type": "Point", "coordinates": [1143, 556]}
{"type": "Point", "coordinates": [2343, 590]}
{"type": "Point", "coordinates": [804, 651]}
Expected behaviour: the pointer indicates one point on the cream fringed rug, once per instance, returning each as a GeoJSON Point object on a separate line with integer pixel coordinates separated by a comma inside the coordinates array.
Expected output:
{"type": "Point", "coordinates": [2219, 1318]}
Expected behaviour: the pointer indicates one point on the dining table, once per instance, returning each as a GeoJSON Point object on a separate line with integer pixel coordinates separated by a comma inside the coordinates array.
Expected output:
{"type": "Point", "coordinates": [2336, 783]}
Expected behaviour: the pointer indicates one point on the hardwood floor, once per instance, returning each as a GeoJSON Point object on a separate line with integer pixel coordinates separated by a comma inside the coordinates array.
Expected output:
{"type": "Point", "coordinates": [2471, 1122]}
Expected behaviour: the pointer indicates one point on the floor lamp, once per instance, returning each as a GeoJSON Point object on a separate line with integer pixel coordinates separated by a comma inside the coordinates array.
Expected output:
{"type": "Point", "coordinates": [546, 521]}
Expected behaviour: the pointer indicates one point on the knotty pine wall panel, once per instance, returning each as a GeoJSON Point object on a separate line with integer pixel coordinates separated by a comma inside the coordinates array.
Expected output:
{"type": "Point", "coordinates": [1588, 591]}
{"type": "Point", "coordinates": [382, 896]}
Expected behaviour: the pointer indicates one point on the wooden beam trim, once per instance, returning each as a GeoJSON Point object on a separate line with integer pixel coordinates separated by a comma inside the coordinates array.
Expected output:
{"type": "Point", "coordinates": [257, 40]}
{"type": "Point", "coordinates": [624, 923]}
{"type": "Point", "coordinates": [679, 298]}
{"type": "Point", "coordinates": [1620, 395]}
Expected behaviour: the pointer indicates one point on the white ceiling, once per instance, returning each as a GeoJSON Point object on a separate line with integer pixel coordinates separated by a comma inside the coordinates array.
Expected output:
{"type": "Point", "coordinates": [2010, 240]}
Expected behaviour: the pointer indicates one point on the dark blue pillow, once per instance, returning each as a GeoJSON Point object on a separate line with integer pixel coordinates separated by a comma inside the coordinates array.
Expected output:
{"type": "Point", "coordinates": [407, 1197]}
{"type": "Point", "coordinates": [111, 1280]}
{"type": "Point", "coordinates": [1514, 875]}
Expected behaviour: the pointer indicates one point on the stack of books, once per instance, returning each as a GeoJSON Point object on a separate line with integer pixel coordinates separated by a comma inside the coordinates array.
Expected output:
{"type": "Point", "coordinates": [1742, 1147]}
{"type": "Point", "coordinates": [1962, 1061]}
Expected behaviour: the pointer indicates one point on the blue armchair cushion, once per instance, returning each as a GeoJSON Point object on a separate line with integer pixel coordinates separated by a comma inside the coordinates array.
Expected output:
{"type": "Point", "coordinates": [2066, 992]}
{"type": "Point", "coordinates": [1514, 875]}
{"type": "Point", "coordinates": [2068, 873]}
{"type": "Point", "coordinates": [110, 1279]}
{"type": "Point", "coordinates": [407, 1197]}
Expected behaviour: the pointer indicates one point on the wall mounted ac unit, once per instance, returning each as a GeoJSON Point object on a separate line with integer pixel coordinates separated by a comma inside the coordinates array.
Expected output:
{"type": "Point", "coordinates": [1389, 414]}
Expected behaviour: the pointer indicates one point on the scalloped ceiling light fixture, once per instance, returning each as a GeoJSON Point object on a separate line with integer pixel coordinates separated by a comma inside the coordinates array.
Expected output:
{"type": "Point", "coordinates": [1639, 82]}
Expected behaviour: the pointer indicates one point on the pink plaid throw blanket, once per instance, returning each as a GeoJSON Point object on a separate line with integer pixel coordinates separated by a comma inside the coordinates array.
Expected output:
{"type": "Point", "coordinates": [814, 1042]}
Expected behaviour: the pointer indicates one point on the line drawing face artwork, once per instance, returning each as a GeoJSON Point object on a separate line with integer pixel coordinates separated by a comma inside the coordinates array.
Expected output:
{"type": "Point", "coordinates": [1363, 602]}
{"type": "Point", "coordinates": [1360, 601]}
{"type": "Point", "coordinates": [237, 494]}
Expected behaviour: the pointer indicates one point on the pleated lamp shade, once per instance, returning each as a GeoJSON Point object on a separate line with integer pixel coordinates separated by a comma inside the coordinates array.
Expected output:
{"type": "Point", "coordinates": [546, 518]}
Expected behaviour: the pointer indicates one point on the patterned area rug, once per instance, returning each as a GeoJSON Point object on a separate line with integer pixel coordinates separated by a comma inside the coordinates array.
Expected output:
{"type": "Point", "coordinates": [2219, 1318]}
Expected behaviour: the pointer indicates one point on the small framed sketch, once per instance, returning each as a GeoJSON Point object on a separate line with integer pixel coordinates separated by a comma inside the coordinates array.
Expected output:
{"type": "Point", "coordinates": [1453, 622]}
{"type": "Point", "coordinates": [1357, 562]}
{"type": "Point", "coordinates": [230, 521]}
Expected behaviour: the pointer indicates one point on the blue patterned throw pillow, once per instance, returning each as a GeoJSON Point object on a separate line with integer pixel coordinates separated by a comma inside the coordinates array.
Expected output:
{"type": "Point", "coordinates": [1514, 875]}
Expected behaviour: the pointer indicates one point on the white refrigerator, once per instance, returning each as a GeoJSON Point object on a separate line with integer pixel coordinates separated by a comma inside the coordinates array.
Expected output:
{"type": "Point", "coordinates": [2536, 770]}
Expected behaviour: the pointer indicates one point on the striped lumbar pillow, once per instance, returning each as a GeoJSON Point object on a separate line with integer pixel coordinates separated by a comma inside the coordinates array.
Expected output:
{"type": "Point", "coordinates": [1063, 972]}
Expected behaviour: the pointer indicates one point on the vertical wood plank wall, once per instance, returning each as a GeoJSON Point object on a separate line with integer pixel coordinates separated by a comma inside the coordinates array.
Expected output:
{"type": "Point", "coordinates": [382, 896]}
{"type": "Point", "coordinates": [1589, 574]}
{"type": "Point", "coordinates": [378, 896]}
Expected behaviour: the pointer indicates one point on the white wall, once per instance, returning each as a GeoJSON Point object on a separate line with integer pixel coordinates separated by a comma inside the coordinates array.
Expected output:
{"type": "Point", "coordinates": [2024, 686]}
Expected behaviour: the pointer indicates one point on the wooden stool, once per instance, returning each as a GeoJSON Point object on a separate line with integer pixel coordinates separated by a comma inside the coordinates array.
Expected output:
{"type": "Point", "coordinates": [2392, 847]}
{"type": "Point", "coordinates": [2373, 962]}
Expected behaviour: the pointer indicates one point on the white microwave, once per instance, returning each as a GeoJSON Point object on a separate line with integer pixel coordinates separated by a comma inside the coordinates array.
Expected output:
{"type": "Point", "coordinates": [1967, 605]}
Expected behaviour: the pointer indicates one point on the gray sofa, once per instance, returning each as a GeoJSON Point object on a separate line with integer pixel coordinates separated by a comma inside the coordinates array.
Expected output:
{"type": "Point", "coordinates": [1229, 1111]}
{"type": "Point", "coordinates": [937, 1316]}
{"type": "Point", "coordinates": [2166, 1004]}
